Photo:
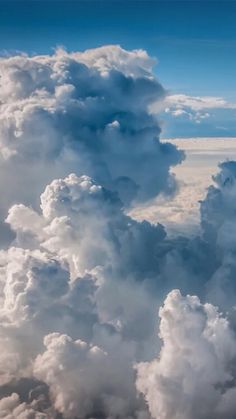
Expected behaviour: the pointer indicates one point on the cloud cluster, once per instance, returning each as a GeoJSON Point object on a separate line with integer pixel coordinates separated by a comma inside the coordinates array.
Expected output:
{"type": "Point", "coordinates": [77, 274]}
{"type": "Point", "coordinates": [193, 376]}
{"type": "Point", "coordinates": [75, 308]}
{"type": "Point", "coordinates": [80, 280]}
{"type": "Point", "coordinates": [93, 303]}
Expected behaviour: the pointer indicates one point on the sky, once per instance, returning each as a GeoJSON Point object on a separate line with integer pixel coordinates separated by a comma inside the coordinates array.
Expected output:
{"type": "Point", "coordinates": [194, 43]}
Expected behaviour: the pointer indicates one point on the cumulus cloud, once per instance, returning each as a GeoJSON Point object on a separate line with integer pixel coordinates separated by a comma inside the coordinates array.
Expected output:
{"type": "Point", "coordinates": [86, 112]}
{"type": "Point", "coordinates": [218, 208]}
{"type": "Point", "coordinates": [84, 380]}
{"type": "Point", "coordinates": [218, 224]}
{"type": "Point", "coordinates": [194, 376]}
{"type": "Point", "coordinates": [73, 210]}
{"type": "Point", "coordinates": [12, 408]}
{"type": "Point", "coordinates": [93, 302]}
{"type": "Point", "coordinates": [79, 273]}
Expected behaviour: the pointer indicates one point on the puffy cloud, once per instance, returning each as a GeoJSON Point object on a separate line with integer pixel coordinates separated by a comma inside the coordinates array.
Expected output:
{"type": "Point", "coordinates": [218, 208]}
{"type": "Point", "coordinates": [82, 112]}
{"type": "Point", "coordinates": [84, 227]}
{"type": "Point", "coordinates": [84, 380]}
{"type": "Point", "coordinates": [75, 209]}
{"type": "Point", "coordinates": [32, 277]}
{"type": "Point", "coordinates": [134, 63]}
{"type": "Point", "coordinates": [32, 286]}
{"type": "Point", "coordinates": [194, 376]}
{"type": "Point", "coordinates": [72, 369]}
{"type": "Point", "coordinates": [80, 273]}
{"type": "Point", "coordinates": [218, 224]}
{"type": "Point", "coordinates": [12, 408]}
{"type": "Point", "coordinates": [86, 275]}
{"type": "Point", "coordinates": [91, 380]}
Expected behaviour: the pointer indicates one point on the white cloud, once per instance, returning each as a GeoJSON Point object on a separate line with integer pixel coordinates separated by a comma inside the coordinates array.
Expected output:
{"type": "Point", "coordinates": [83, 112]}
{"type": "Point", "coordinates": [83, 379]}
{"type": "Point", "coordinates": [193, 107]}
{"type": "Point", "coordinates": [182, 112]}
{"type": "Point", "coordinates": [78, 273]}
{"type": "Point", "coordinates": [74, 209]}
{"type": "Point", "coordinates": [198, 103]}
{"type": "Point", "coordinates": [193, 377]}
{"type": "Point", "coordinates": [74, 277]}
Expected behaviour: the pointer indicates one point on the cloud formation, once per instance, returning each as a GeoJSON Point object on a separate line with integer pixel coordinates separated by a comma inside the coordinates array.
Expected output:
{"type": "Point", "coordinates": [93, 304]}
{"type": "Point", "coordinates": [187, 116]}
{"type": "Point", "coordinates": [193, 378]}
{"type": "Point", "coordinates": [86, 298]}
{"type": "Point", "coordinates": [80, 280]}
{"type": "Point", "coordinates": [180, 213]}
{"type": "Point", "coordinates": [12, 408]}
{"type": "Point", "coordinates": [196, 108]}
{"type": "Point", "coordinates": [75, 271]}
{"type": "Point", "coordinates": [218, 223]}
{"type": "Point", "coordinates": [82, 112]}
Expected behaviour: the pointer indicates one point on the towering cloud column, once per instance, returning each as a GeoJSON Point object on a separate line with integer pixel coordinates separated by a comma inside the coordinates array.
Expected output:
{"type": "Point", "coordinates": [82, 112]}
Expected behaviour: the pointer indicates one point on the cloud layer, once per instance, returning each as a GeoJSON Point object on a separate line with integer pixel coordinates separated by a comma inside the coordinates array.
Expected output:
{"type": "Point", "coordinates": [187, 116]}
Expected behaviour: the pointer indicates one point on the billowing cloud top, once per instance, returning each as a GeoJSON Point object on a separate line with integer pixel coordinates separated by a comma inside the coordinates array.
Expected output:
{"type": "Point", "coordinates": [86, 112]}
{"type": "Point", "coordinates": [192, 378]}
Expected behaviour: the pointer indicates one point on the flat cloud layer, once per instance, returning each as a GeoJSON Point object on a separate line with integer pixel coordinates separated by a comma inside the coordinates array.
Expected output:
{"type": "Point", "coordinates": [179, 213]}
{"type": "Point", "coordinates": [80, 280]}
{"type": "Point", "coordinates": [197, 116]}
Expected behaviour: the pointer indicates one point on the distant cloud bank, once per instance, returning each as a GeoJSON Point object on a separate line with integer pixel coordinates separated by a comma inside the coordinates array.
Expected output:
{"type": "Point", "coordinates": [194, 116]}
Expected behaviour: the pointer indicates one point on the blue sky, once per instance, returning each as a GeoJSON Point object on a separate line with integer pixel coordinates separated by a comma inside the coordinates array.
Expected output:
{"type": "Point", "coordinates": [194, 41]}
